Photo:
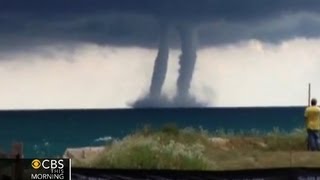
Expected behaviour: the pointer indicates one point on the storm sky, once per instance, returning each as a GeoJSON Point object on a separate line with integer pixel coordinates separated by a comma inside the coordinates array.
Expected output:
{"type": "Point", "coordinates": [100, 54]}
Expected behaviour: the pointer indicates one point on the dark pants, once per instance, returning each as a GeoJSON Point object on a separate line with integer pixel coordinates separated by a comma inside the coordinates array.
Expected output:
{"type": "Point", "coordinates": [313, 140]}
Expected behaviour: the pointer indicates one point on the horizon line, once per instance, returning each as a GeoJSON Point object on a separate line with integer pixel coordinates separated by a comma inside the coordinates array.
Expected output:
{"type": "Point", "coordinates": [150, 108]}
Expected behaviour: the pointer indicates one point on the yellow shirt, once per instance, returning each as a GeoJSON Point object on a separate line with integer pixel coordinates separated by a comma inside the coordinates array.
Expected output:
{"type": "Point", "coordinates": [312, 115]}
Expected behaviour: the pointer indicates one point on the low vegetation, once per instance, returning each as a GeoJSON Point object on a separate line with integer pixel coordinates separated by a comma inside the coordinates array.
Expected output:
{"type": "Point", "coordinates": [188, 148]}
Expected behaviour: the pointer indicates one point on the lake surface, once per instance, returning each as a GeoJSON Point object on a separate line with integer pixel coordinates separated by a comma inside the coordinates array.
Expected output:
{"type": "Point", "coordinates": [50, 132]}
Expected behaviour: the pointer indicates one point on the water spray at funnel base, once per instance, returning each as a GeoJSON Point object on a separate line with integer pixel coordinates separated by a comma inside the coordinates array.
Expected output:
{"type": "Point", "coordinates": [187, 62]}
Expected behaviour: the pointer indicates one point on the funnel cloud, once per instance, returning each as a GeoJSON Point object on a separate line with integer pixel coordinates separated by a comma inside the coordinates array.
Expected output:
{"type": "Point", "coordinates": [155, 98]}
{"type": "Point", "coordinates": [161, 63]}
{"type": "Point", "coordinates": [187, 59]}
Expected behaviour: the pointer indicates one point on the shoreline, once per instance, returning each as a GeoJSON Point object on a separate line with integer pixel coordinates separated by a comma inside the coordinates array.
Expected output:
{"type": "Point", "coordinates": [183, 149]}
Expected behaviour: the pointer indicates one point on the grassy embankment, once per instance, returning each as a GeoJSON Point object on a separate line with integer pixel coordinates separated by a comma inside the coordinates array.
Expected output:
{"type": "Point", "coordinates": [173, 148]}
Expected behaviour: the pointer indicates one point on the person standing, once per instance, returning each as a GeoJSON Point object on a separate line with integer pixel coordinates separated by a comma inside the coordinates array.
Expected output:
{"type": "Point", "coordinates": [312, 120]}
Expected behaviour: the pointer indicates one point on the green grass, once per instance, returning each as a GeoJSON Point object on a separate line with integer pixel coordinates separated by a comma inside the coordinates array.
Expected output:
{"type": "Point", "coordinates": [188, 148]}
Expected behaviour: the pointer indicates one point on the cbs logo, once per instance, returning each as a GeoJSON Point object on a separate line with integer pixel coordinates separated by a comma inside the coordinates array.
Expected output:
{"type": "Point", "coordinates": [47, 164]}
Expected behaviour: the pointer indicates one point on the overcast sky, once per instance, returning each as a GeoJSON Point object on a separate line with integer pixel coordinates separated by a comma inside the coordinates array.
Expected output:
{"type": "Point", "coordinates": [100, 54]}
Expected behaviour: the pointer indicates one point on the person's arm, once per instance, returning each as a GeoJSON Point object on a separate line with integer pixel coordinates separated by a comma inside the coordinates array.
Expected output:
{"type": "Point", "coordinates": [306, 115]}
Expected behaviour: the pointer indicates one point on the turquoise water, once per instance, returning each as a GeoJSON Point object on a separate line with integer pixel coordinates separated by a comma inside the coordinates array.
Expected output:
{"type": "Point", "coordinates": [50, 132]}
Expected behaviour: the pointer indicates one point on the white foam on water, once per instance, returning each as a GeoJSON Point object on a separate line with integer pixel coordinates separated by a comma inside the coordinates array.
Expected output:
{"type": "Point", "coordinates": [105, 139]}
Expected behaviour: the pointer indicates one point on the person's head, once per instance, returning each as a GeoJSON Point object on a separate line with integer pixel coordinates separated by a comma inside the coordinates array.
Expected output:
{"type": "Point", "coordinates": [313, 102]}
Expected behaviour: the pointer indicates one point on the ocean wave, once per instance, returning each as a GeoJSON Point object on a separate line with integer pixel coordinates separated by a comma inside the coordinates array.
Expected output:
{"type": "Point", "coordinates": [105, 139]}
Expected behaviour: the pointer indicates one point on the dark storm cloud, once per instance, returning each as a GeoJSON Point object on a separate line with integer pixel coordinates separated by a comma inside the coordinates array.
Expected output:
{"type": "Point", "coordinates": [231, 9]}
{"type": "Point", "coordinates": [135, 22]}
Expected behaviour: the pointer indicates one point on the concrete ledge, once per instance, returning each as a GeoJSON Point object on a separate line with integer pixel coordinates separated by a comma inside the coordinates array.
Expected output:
{"type": "Point", "coordinates": [83, 152]}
